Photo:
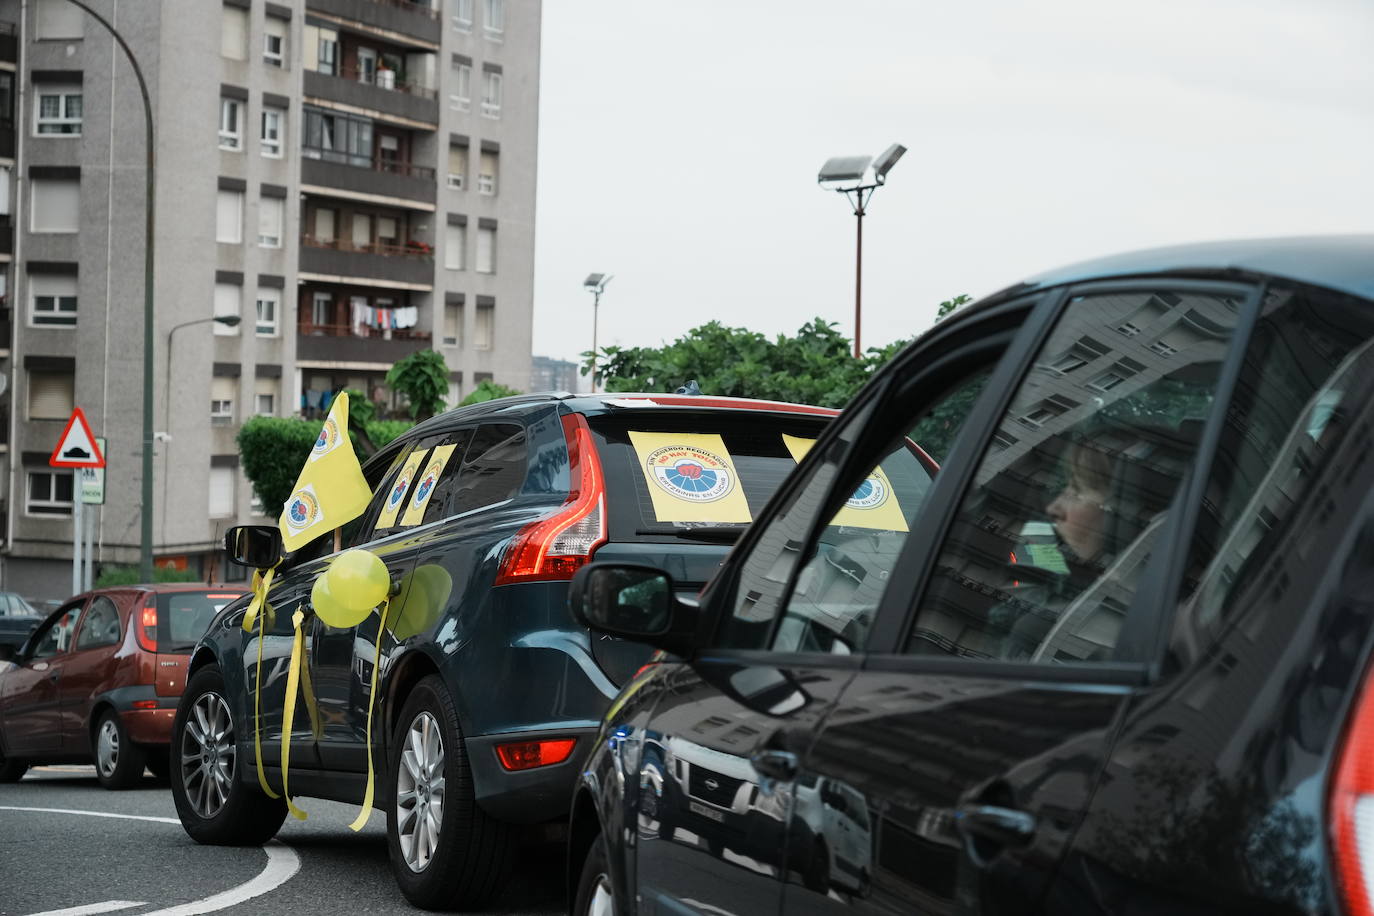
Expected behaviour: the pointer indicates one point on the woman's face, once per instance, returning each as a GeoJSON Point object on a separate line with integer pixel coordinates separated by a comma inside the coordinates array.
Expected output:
{"type": "Point", "coordinates": [1078, 517]}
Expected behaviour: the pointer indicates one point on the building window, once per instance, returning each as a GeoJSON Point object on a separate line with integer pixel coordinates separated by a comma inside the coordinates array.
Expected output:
{"type": "Point", "coordinates": [462, 15]}
{"type": "Point", "coordinates": [59, 19]}
{"type": "Point", "coordinates": [54, 300]}
{"type": "Point", "coordinates": [329, 52]}
{"type": "Point", "coordinates": [265, 404]}
{"type": "Point", "coordinates": [222, 401]}
{"type": "Point", "coordinates": [233, 33]}
{"type": "Point", "coordinates": [486, 250]}
{"type": "Point", "coordinates": [337, 138]}
{"type": "Point", "coordinates": [461, 97]}
{"type": "Point", "coordinates": [367, 65]}
{"type": "Point", "coordinates": [52, 394]}
{"type": "Point", "coordinates": [483, 328]}
{"type": "Point", "coordinates": [453, 325]}
{"type": "Point", "coordinates": [321, 307]}
{"type": "Point", "coordinates": [56, 205]}
{"type": "Point", "coordinates": [58, 112]}
{"type": "Point", "coordinates": [269, 303]}
{"type": "Point", "coordinates": [325, 221]}
{"type": "Point", "coordinates": [455, 240]}
{"type": "Point", "coordinates": [388, 230]}
{"type": "Point", "coordinates": [457, 166]}
{"type": "Point", "coordinates": [494, 24]}
{"type": "Point", "coordinates": [230, 124]}
{"type": "Point", "coordinates": [229, 217]}
{"type": "Point", "coordinates": [273, 124]}
{"type": "Point", "coordinates": [491, 94]}
{"type": "Point", "coordinates": [486, 173]}
{"type": "Point", "coordinates": [221, 492]}
{"type": "Point", "coordinates": [271, 212]}
{"type": "Point", "coordinates": [49, 493]}
{"type": "Point", "coordinates": [274, 42]}
{"type": "Point", "coordinates": [228, 297]}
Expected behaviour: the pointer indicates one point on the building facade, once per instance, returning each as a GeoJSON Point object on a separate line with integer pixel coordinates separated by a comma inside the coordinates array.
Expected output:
{"type": "Point", "coordinates": [354, 180]}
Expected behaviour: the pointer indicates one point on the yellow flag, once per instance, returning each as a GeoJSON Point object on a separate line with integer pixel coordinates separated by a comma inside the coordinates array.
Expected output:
{"type": "Point", "coordinates": [396, 499]}
{"type": "Point", "coordinates": [331, 490]}
{"type": "Point", "coordinates": [874, 503]}
{"type": "Point", "coordinates": [424, 486]}
{"type": "Point", "coordinates": [691, 477]}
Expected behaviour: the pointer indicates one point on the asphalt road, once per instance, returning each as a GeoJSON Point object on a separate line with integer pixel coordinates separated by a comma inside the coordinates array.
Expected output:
{"type": "Point", "coordinates": [142, 863]}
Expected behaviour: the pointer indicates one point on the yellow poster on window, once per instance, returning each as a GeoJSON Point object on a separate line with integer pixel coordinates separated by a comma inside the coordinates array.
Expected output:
{"type": "Point", "coordinates": [691, 477]}
{"type": "Point", "coordinates": [874, 503]}
{"type": "Point", "coordinates": [397, 497]}
{"type": "Point", "coordinates": [418, 501]}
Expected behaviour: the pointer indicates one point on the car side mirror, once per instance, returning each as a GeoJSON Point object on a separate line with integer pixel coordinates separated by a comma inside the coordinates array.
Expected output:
{"type": "Point", "coordinates": [632, 602]}
{"type": "Point", "coordinates": [258, 546]}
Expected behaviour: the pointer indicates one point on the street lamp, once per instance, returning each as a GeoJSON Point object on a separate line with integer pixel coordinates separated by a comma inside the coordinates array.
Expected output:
{"type": "Point", "coordinates": [857, 177]}
{"type": "Point", "coordinates": [596, 283]}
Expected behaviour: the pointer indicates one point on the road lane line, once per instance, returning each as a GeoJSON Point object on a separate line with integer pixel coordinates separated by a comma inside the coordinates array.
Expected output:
{"type": "Point", "coordinates": [282, 865]}
{"type": "Point", "coordinates": [90, 909]}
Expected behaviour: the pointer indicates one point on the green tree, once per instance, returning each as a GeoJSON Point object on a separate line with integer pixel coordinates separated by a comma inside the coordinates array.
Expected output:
{"type": "Point", "coordinates": [950, 305]}
{"type": "Point", "coordinates": [487, 390]}
{"type": "Point", "coordinates": [111, 576]}
{"type": "Point", "coordinates": [272, 451]}
{"type": "Point", "coordinates": [422, 378]}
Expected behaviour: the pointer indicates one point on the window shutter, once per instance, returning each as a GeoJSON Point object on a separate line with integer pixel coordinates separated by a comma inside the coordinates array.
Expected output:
{"type": "Point", "coordinates": [51, 395]}
{"type": "Point", "coordinates": [324, 225]}
{"type": "Point", "coordinates": [362, 229]}
{"type": "Point", "coordinates": [311, 52]}
{"type": "Point", "coordinates": [486, 251]}
{"type": "Point", "coordinates": [488, 164]}
{"type": "Point", "coordinates": [228, 301]}
{"type": "Point", "coordinates": [234, 33]}
{"type": "Point", "coordinates": [228, 217]}
{"type": "Point", "coordinates": [270, 218]}
{"type": "Point", "coordinates": [458, 160]}
{"type": "Point", "coordinates": [56, 205]}
{"type": "Point", "coordinates": [223, 388]}
{"type": "Point", "coordinates": [59, 19]}
{"type": "Point", "coordinates": [454, 238]}
{"type": "Point", "coordinates": [483, 329]}
{"type": "Point", "coordinates": [221, 492]}
{"type": "Point", "coordinates": [453, 325]}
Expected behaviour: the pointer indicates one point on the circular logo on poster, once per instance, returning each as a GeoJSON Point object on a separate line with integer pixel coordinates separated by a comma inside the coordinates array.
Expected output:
{"type": "Point", "coordinates": [870, 494]}
{"type": "Point", "coordinates": [398, 492]}
{"type": "Point", "coordinates": [690, 473]}
{"type": "Point", "coordinates": [329, 438]}
{"type": "Point", "coordinates": [301, 509]}
{"type": "Point", "coordinates": [426, 484]}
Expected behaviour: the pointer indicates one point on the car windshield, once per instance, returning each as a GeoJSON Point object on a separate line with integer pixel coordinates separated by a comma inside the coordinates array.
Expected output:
{"type": "Point", "coordinates": [183, 617]}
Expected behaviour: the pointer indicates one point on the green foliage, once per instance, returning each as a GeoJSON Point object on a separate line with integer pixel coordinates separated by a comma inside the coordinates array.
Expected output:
{"type": "Point", "coordinates": [487, 390]}
{"type": "Point", "coordinates": [383, 431]}
{"type": "Point", "coordinates": [360, 409]}
{"type": "Point", "coordinates": [935, 431]}
{"type": "Point", "coordinates": [950, 305]}
{"type": "Point", "coordinates": [273, 451]}
{"type": "Point", "coordinates": [111, 576]}
{"type": "Point", "coordinates": [422, 378]}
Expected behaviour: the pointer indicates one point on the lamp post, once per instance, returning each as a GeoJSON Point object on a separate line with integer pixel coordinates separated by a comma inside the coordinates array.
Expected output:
{"type": "Point", "coordinates": [145, 565]}
{"type": "Point", "coordinates": [596, 284]}
{"type": "Point", "coordinates": [857, 177]}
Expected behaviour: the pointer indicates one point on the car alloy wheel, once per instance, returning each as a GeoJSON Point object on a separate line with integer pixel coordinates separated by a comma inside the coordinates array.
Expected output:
{"type": "Point", "coordinates": [207, 755]}
{"type": "Point", "coordinates": [603, 901]}
{"type": "Point", "coordinates": [107, 747]}
{"type": "Point", "coordinates": [420, 792]}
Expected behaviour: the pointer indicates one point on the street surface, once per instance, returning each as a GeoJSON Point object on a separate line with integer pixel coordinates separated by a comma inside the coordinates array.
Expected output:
{"type": "Point", "coordinates": [142, 863]}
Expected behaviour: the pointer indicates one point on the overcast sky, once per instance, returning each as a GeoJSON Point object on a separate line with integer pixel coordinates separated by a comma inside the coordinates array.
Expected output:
{"type": "Point", "coordinates": [679, 145]}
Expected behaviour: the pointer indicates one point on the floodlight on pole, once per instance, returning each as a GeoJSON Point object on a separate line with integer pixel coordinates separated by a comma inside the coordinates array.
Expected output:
{"type": "Point", "coordinates": [596, 284]}
{"type": "Point", "coordinates": [857, 177]}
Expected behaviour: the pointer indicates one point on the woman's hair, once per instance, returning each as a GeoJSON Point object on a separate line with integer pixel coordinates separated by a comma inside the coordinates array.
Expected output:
{"type": "Point", "coordinates": [1091, 467]}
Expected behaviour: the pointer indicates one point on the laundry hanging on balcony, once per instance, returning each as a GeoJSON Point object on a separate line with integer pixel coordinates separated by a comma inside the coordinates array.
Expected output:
{"type": "Point", "coordinates": [384, 319]}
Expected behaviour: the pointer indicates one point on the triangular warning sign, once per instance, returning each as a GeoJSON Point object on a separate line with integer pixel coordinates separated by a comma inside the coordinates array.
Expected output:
{"type": "Point", "coordinates": [77, 448]}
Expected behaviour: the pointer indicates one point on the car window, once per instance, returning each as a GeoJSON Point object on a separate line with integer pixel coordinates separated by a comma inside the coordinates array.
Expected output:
{"type": "Point", "coordinates": [56, 638]}
{"type": "Point", "coordinates": [100, 626]}
{"type": "Point", "coordinates": [1308, 373]}
{"type": "Point", "coordinates": [493, 469]}
{"type": "Point", "coordinates": [379, 475]}
{"type": "Point", "coordinates": [1047, 546]}
{"type": "Point", "coordinates": [183, 617]}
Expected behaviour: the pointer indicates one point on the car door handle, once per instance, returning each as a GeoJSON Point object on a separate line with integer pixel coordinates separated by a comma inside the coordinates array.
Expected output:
{"type": "Point", "coordinates": [1003, 826]}
{"type": "Point", "coordinates": [780, 765]}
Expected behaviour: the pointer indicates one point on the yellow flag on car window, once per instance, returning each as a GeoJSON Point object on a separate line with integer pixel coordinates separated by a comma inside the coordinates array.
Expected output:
{"type": "Point", "coordinates": [874, 503]}
{"type": "Point", "coordinates": [425, 484]}
{"type": "Point", "coordinates": [691, 477]}
{"type": "Point", "coordinates": [396, 497]}
{"type": "Point", "coordinates": [331, 490]}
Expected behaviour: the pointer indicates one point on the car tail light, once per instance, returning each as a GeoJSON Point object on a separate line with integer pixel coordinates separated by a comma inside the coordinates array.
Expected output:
{"type": "Point", "coordinates": [146, 628]}
{"type": "Point", "coordinates": [1350, 806]}
{"type": "Point", "coordinates": [144, 704]}
{"type": "Point", "coordinates": [554, 548]}
{"type": "Point", "coordinates": [526, 755]}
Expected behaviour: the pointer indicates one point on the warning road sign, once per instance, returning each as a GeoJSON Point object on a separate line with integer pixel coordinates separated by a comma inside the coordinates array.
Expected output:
{"type": "Point", "coordinates": [77, 448]}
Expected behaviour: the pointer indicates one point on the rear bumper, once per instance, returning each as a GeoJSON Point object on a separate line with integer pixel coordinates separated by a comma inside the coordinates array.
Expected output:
{"type": "Point", "coordinates": [148, 726]}
{"type": "Point", "coordinates": [527, 796]}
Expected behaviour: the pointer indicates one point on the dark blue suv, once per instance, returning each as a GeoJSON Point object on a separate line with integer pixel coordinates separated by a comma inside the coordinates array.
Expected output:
{"type": "Point", "coordinates": [488, 693]}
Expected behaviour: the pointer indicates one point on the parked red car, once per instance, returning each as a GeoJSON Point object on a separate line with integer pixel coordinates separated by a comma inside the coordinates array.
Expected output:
{"type": "Point", "coordinates": [100, 678]}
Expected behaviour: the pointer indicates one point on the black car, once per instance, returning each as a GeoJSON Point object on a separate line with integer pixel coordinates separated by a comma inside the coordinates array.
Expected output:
{"type": "Point", "coordinates": [1113, 658]}
{"type": "Point", "coordinates": [488, 693]}
{"type": "Point", "coordinates": [15, 629]}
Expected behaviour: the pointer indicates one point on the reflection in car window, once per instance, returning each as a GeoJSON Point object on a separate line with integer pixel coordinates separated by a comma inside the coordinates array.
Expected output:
{"type": "Point", "coordinates": [494, 468]}
{"type": "Point", "coordinates": [101, 626]}
{"type": "Point", "coordinates": [58, 637]}
{"type": "Point", "coordinates": [1046, 550]}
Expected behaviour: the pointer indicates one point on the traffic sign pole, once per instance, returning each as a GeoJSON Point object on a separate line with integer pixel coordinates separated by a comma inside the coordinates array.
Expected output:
{"type": "Point", "coordinates": [78, 535]}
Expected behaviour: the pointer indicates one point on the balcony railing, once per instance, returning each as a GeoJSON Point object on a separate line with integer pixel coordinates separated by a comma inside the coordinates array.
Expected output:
{"type": "Point", "coordinates": [416, 20]}
{"type": "Point", "coordinates": [368, 333]}
{"type": "Point", "coordinates": [408, 250]}
{"type": "Point", "coordinates": [422, 9]}
{"type": "Point", "coordinates": [383, 79]}
{"type": "Point", "coordinates": [389, 166]}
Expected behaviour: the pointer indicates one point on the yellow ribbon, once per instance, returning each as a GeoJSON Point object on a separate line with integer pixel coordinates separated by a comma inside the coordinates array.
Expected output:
{"type": "Point", "coordinates": [289, 709]}
{"type": "Point", "coordinates": [261, 585]}
{"type": "Point", "coordinates": [257, 704]}
{"type": "Point", "coordinates": [363, 815]}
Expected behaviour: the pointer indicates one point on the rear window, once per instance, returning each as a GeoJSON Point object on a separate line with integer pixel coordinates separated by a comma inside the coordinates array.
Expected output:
{"type": "Point", "coordinates": [666, 473]}
{"type": "Point", "coordinates": [183, 617]}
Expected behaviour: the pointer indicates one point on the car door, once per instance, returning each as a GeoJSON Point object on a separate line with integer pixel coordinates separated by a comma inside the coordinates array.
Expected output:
{"type": "Point", "coordinates": [89, 669]}
{"type": "Point", "coordinates": [266, 695]}
{"type": "Point", "coordinates": [29, 698]}
{"type": "Point", "coordinates": [1025, 609]}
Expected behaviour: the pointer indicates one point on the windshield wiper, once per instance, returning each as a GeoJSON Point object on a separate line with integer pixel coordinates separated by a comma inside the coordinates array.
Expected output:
{"type": "Point", "coordinates": [727, 534]}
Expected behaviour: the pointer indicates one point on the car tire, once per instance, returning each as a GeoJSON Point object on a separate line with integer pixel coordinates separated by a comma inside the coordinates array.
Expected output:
{"type": "Point", "coordinates": [215, 806]}
{"type": "Point", "coordinates": [118, 761]}
{"type": "Point", "coordinates": [816, 876]}
{"type": "Point", "coordinates": [595, 891]}
{"type": "Point", "coordinates": [12, 770]}
{"type": "Point", "coordinates": [458, 859]}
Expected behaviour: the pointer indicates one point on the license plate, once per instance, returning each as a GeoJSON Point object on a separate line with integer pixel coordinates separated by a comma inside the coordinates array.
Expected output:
{"type": "Point", "coordinates": [699, 808]}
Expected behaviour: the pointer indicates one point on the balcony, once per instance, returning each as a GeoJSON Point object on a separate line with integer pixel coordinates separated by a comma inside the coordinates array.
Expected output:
{"type": "Point", "coordinates": [383, 94]}
{"type": "Point", "coordinates": [337, 343]}
{"type": "Point", "coordinates": [415, 20]}
{"type": "Point", "coordinates": [330, 168]}
{"type": "Point", "coordinates": [413, 263]}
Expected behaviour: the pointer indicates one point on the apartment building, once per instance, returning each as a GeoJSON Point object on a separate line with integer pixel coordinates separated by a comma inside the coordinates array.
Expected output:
{"type": "Point", "coordinates": [354, 180]}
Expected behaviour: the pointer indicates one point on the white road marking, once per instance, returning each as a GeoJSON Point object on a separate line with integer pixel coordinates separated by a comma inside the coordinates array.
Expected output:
{"type": "Point", "coordinates": [282, 865]}
{"type": "Point", "coordinates": [109, 906]}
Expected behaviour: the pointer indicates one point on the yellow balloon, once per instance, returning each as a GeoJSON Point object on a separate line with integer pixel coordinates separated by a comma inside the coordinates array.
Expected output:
{"type": "Point", "coordinates": [358, 580]}
{"type": "Point", "coordinates": [423, 597]}
{"type": "Point", "coordinates": [328, 608]}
